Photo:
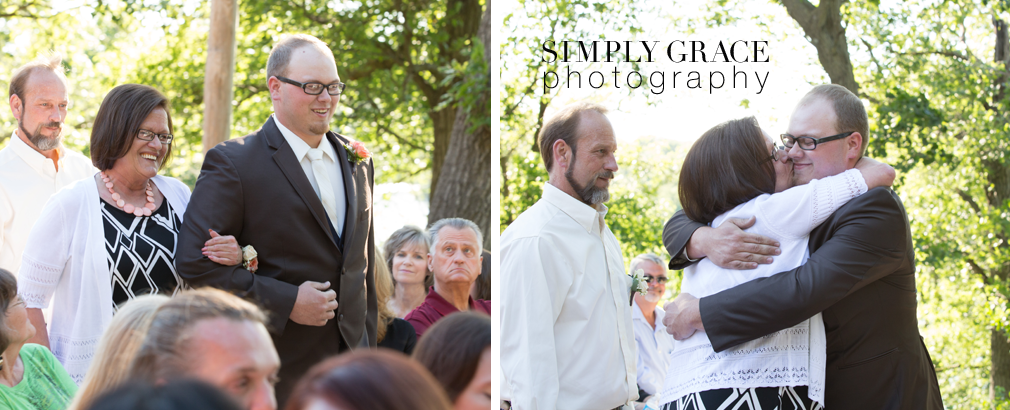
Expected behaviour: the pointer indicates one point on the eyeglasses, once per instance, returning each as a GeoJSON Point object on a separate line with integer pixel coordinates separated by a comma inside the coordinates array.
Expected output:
{"type": "Point", "coordinates": [658, 279]}
{"type": "Point", "coordinates": [809, 143]}
{"type": "Point", "coordinates": [776, 151]}
{"type": "Point", "coordinates": [315, 87]}
{"type": "Point", "coordinates": [149, 136]}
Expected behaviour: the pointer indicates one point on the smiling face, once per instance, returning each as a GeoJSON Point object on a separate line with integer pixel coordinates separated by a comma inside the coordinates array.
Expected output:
{"type": "Point", "coordinates": [593, 164]}
{"type": "Point", "coordinates": [456, 258]}
{"type": "Point", "coordinates": [42, 110]}
{"type": "Point", "coordinates": [410, 264]}
{"type": "Point", "coordinates": [145, 157]}
{"type": "Point", "coordinates": [238, 357]}
{"type": "Point", "coordinates": [308, 116]}
{"type": "Point", "coordinates": [817, 119]}
{"type": "Point", "coordinates": [19, 327]}
{"type": "Point", "coordinates": [477, 395]}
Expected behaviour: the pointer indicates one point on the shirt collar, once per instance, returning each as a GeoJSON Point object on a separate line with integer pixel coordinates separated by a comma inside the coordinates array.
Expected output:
{"type": "Point", "coordinates": [300, 147]}
{"type": "Point", "coordinates": [33, 158]}
{"type": "Point", "coordinates": [442, 306]}
{"type": "Point", "coordinates": [636, 314]}
{"type": "Point", "coordinates": [584, 214]}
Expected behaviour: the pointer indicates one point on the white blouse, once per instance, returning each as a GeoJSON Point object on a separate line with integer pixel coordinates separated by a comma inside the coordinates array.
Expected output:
{"type": "Point", "coordinates": [790, 357]}
{"type": "Point", "coordinates": [66, 257]}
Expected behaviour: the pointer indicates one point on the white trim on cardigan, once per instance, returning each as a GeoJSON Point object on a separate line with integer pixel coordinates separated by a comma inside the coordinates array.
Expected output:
{"type": "Point", "coordinates": [66, 257]}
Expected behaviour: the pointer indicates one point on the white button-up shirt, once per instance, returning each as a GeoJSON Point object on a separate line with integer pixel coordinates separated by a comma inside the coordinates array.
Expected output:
{"type": "Point", "coordinates": [27, 180]}
{"type": "Point", "coordinates": [330, 158]}
{"type": "Point", "coordinates": [566, 336]}
{"type": "Point", "coordinates": [654, 348]}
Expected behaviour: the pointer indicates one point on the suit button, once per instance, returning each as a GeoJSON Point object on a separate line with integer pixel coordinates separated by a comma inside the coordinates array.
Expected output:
{"type": "Point", "coordinates": [343, 271]}
{"type": "Point", "coordinates": [340, 317]}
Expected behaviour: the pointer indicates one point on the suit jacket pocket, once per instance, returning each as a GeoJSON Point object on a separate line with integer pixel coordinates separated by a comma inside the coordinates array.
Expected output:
{"type": "Point", "coordinates": [867, 360]}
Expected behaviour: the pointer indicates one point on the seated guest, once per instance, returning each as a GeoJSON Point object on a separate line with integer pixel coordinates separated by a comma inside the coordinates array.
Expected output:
{"type": "Point", "coordinates": [454, 260]}
{"type": "Point", "coordinates": [365, 380]}
{"type": "Point", "coordinates": [457, 351]}
{"type": "Point", "coordinates": [481, 288]}
{"type": "Point", "coordinates": [654, 343]}
{"type": "Point", "coordinates": [110, 238]}
{"type": "Point", "coordinates": [118, 348]}
{"type": "Point", "coordinates": [407, 259]}
{"type": "Point", "coordinates": [214, 336]}
{"type": "Point", "coordinates": [393, 332]}
{"type": "Point", "coordinates": [30, 377]}
{"type": "Point", "coordinates": [180, 395]}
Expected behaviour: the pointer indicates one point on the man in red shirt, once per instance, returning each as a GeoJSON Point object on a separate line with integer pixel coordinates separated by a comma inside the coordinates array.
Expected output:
{"type": "Point", "coordinates": [454, 260]}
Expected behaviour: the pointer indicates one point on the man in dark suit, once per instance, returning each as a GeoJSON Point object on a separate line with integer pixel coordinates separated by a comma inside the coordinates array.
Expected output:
{"type": "Point", "coordinates": [302, 196]}
{"type": "Point", "coordinates": [860, 275]}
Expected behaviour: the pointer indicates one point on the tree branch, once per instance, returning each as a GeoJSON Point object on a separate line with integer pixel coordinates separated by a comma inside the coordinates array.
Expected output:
{"type": "Point", "coordinates": [971, 201]}
{"type": "Point", "coordinates": [979, 271]}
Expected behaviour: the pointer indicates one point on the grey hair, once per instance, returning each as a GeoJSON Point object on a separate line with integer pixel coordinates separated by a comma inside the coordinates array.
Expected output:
{"type": "Point", "coordinates": [645, 257]}
{"type": "Point", "coordinates": [457, 223]}
{"type": "Point", "coordinates": [166, 349]}
{"type": "Point", "coordinates": [280, 55]}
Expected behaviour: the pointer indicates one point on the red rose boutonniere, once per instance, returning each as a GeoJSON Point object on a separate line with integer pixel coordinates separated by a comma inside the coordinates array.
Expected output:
{"type": "Point", "coordinates": [357, 153]}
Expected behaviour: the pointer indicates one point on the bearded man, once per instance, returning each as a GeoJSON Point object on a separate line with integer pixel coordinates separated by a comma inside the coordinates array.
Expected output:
{"type": "Point", "coordinates": [566, 334]}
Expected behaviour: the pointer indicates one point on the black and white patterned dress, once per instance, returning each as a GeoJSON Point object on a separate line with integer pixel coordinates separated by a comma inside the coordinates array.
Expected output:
{"type": "Point", "coordinates": [141, 251]}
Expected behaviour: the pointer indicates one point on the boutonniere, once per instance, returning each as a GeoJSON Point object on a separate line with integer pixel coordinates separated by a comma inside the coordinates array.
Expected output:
{"type": "Point", "coordinates": [638, 284]}
{"type": "Point", "coordinates": [249, 259]}
{"type": "Point", "coordinates": [357, 153]}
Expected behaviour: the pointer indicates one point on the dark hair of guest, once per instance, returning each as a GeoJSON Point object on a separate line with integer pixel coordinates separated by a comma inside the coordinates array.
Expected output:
{"type": "Point", "coordinates": [370, 379]}
{"type": "Point", "coordinates": [8, 293]}
{"type": "Point", "coordinates": [118, 121]}
{"type": "Point", "coordinates": [176, 395]}
{"type": "Point", "coordinates": [727, 166]}
{"type": "Point", "coordinates": [452, 347]}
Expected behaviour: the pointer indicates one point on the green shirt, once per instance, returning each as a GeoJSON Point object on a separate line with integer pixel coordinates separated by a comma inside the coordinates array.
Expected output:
{"type": "Point", "coordinates": [45, 385]}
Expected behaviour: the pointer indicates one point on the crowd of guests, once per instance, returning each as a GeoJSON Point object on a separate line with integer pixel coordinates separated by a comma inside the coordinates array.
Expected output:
{"type": "Point", "coordinates": [118, 291]}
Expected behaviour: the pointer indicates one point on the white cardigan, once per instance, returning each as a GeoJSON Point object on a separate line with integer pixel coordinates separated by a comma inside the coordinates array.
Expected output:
{"type": "Point", "coordinates": [66, 257]}
{"type": "Point", "coordinates": [790, 357]}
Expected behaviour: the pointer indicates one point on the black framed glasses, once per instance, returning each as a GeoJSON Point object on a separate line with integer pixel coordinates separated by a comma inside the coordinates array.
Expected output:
{"type": "Point", "coordinates": [315, 87]}
{"type": "Point", "coordinates": [658, 279]}
{"type": "Point", "coordinates": [149, 136]}
{"type": "Point", "coordinates": [777, 151]}
{"type": "Point", "coordinates": [810, 143]}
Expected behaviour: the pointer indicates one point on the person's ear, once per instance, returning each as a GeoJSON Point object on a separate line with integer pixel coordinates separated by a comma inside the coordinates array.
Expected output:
{"type": "Point", "coordinates": [17, 107]}
{"type": "Point", "coordinates": [562, 154]}
{"type": "Point", "coordinates": [854, 145]}
{"type": "Point", "coordinates": [274, 87]}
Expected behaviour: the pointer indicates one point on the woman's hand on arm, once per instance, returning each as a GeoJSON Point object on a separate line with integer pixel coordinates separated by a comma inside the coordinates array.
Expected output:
{"type": "Point", "coordinates": [38, 320]}
{"type": "Point", "coordinates": [222, 249]}
{"type": "Point", "coordinates": [875, 173]}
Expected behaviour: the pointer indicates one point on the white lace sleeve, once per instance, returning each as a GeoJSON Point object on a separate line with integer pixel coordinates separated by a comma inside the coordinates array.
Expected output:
{"type": "Point", "coordinates": [798, 210]}
{"type": "Point", "coordinates": [45, 256]}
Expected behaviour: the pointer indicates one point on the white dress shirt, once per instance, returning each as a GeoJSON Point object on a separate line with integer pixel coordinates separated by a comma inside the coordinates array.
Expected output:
{"type": "Point", "coordinates": [566, 335]}
{"type": "Point", "coordinates": [27, 180]}
{"type": "Point", "coordinates": [330, 158]}
{"type": "Point", "coordinates": [654, 348]}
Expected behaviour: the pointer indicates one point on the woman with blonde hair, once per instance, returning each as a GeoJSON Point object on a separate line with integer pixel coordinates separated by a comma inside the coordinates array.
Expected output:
{"type": "Point", "coordinates": [393, 332]}
{"type": "Point", "coordinates": [118, 348]}
{"type": "Point", "coordinates": [407, 260]}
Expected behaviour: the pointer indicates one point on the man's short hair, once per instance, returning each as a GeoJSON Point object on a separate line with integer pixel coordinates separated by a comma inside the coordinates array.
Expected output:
{"type": "Point", "coordinates": [563, 126]}
{"type": "Point", "coordinates": [280, 55]}
{"type": "Point", "coordinates": [165, 353]}
{"type": "Point", "coordinates": [53, 62]}
{"type": "Point", "coordinates": [457, 223]}
{"type": "Point", "coordinates": [849, 111]}
{"type": "Point", "coordinates": [646, 257]}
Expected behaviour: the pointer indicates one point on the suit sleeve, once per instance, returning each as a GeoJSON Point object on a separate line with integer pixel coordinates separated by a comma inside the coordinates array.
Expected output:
{"type": "Point", "coordinates": [869, 241]}
{"type": "Point", "coordinates": [676, 233]}
{"type": "Point", "coordinates": [372, 312]}
{"type": "Point", "coordinates": [217, 202]}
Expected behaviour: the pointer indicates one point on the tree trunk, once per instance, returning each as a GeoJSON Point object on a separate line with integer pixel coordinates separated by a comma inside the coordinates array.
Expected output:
{"type": "Point", "coordinates": [442, 123]}
{"type": "Point", "coordinates": [464, 187]}
{"type": "Point", "coordinates": [998, 176]}
{"type": "Point", "coordinates": [217, 83]}
{"type": "Point", "coordinates": [823, 27]}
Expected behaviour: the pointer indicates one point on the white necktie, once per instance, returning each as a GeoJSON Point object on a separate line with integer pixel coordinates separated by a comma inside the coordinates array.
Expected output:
{"type": "Point", "coordinates": [325, 187]}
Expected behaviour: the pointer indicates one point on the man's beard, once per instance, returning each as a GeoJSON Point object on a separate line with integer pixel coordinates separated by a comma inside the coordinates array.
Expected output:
{"type": "Point", "coordinates": [42, 142]}
{"type": "Point", "coordinates": [652, 297]}
{"type": "Point", "coordinates": [589, 193]}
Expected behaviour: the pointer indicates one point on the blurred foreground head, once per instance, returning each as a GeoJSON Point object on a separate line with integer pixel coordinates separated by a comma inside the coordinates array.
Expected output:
{"type": "Point", "coordinates": [211, 335]}
{"type": "Point", "coordinates": [457, 351]}
{"type": "Point", "coordinates": [179, 395]}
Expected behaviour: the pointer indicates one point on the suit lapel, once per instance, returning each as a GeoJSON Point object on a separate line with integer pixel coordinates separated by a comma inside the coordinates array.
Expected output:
{"type": "Point", "coordinates": [292, 170]}
{"type": "Point", "coordinates": [347, 170]}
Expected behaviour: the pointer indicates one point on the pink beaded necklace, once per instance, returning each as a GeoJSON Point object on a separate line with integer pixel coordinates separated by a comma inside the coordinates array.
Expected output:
{"type": "Point", "coordinates": [129, 208]}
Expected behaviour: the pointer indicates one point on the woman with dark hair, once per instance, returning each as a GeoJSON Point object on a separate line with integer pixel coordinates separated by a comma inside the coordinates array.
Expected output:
{"type": "Point", "coordinates": [368, 379]}
{"type": "Point", "coordinates": [176, 395]}
{"type": "Point", "coordinates": [30, 377]}
{"type": "Point", "coordinates": [407, 259]}
{"type": "Point", "coordinates": [457, 351]}
{"type": "Point", "coordinates": [105, 240]}
{"type": "Point", "coordinates": [735, 171]}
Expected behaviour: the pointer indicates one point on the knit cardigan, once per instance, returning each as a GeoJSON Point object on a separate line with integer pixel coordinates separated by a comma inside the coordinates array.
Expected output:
{"type": "Point", "coordinates": [66, 257]}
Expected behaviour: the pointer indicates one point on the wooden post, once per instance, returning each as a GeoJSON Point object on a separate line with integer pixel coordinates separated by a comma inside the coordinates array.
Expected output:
{"type": "Point", "coordinates": [217, 84]}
